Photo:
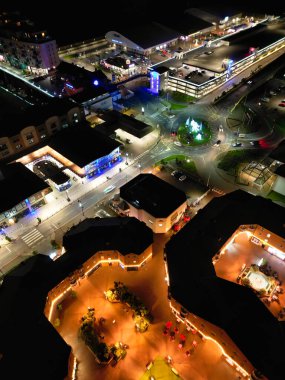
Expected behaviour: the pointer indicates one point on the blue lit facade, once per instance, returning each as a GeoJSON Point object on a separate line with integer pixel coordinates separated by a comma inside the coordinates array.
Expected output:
{"type": "Point", "coordinates": [154, 82]}
{"type": "Point", "coordinates": [102, 164]}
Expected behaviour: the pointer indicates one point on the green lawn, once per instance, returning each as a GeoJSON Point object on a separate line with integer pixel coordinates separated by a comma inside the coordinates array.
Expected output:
{"type": "Point", "coordinates": [232, 159]}
{"type": "Point", "coordinates": [182, 163]}
{"type": "Point", "coordinates": [160, 370]}
{"type": "Point", "coordinates": [274, 196]}
{"type": "Point", "coordinates": [184, 136]}
{"type": "Point", "coordinates": [175, 106]}
{"type": "Point", "coordinates": [180, 97]}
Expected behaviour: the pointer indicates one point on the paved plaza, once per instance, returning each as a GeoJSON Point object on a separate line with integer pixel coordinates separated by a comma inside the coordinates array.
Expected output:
{"type": "Point", "coordinates": [243, 253]}
{"type": "Point", "coordinates": [149, 285]}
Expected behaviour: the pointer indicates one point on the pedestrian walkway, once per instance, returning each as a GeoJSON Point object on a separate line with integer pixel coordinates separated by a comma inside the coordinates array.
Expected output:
{"type": "Point", "coordinates": [32, 237]}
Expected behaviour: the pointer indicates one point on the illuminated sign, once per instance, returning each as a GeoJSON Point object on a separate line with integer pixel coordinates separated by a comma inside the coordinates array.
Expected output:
{"type": "Point", "coordinates": [154, 82]}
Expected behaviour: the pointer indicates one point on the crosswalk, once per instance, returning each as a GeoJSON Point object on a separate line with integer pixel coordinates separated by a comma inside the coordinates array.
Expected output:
{"type": "Point", "coordinates": [32, 237]}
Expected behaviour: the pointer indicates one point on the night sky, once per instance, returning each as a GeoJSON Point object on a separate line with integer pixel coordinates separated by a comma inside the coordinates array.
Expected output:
{"type": "Point", "coordinates": [72, 23]}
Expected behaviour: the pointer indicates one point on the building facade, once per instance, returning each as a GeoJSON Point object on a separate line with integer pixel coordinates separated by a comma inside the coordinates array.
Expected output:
{"type": "Point", "coordinates": [20, 137]}
{"type": "Point", "coordinates": [25, 46]}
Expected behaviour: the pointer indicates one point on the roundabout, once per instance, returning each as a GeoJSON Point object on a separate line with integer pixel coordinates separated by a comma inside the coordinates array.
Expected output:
{"type": "Point", "coordinates": [194, 132]}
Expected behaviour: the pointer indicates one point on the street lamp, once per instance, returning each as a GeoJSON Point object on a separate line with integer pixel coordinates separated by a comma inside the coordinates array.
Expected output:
{"type": "Point", "coordinates": [127, 158]}
{"type": "Point", "coordinates": [143, 110]}
{"type": "Point", "coordinates": [80, 205]}
{"type": "Point", "coordinates": [67, 196]}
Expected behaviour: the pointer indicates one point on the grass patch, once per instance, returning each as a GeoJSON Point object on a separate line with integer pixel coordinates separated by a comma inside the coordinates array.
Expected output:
{"type": "Point", "coordinates": [180, 97]}
{"type": "Point", "coordinates": [182, 162]}
{"type": "Point", "coordinates": [175, 106]}
{"type": "Point", "coordinates": [274, 196]}
{"type": "Point", "coordinates": [232, 159]}
{"type": "Point", "coordinates": [189, 139]}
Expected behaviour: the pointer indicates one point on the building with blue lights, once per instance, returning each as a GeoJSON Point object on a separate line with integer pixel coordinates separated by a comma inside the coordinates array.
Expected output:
{"type": "Point", "coordinates": [81, 149]}
{"type": "Point", "coordinates": [22, 192]}
{"type": "Point", "coordinates": [197, 77]}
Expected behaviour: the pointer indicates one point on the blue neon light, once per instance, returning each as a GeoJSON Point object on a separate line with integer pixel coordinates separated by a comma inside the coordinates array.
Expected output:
{"type": "Point", "coordinates": [154, 82]}
{"type": "Point", "coordinates": [96, 83]}
{"type": "Point", "coordinates": [69, 85]}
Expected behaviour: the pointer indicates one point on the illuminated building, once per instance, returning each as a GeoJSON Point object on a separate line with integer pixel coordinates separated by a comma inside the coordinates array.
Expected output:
{"type": "Point", "coordinates": [154, 201]}
{"type": "Point", "coordinates": [220, 309]}
{"type": "Point", "coordinates": [25, 46]}
{"type": "Point", "coordinates": [22, 192]}
{"type": "Point", "coordinates": [205, 75]}
{"type": "Point", "coordinates": [81, 149]}
{"type": "Point", "coordinates": [24, 130]}
{"type": "Point", "coordinates": [39, 284]}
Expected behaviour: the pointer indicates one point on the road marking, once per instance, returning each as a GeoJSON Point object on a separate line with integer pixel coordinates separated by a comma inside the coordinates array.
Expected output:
{"type": "Point", "coordinates": [32, 237]}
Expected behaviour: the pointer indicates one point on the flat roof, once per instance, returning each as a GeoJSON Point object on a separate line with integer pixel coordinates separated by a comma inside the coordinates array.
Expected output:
{"type": "Point", "coordinates": [117, 120]}
{"type": "Point", "coordinates": [18, 183]}
{"type": "Point", "coordinates": [278, 153]}
{"type": "Point", "coordinates": [149, 35]}
{"type": "Point", "coordinates": [82, 144]}
{"type": "Point", "coordinates": [50, 171]}
{"type": "Point", "coordinates": [89, 93]}
{"type": "Point", "coordinates": [234, 308]}
{"type": "Point", "coordinates": [152, 194]}
{"type": "Point", "coordinates": [259, 37]}
{"type": "Point", "coordinates": [11, 124]}
{"type": "Point", "coordinates": [93, 235]}
{"type": "Point", "coordinates": [281, 170]}
{"type": "Point", "coordinates": [185, 23]}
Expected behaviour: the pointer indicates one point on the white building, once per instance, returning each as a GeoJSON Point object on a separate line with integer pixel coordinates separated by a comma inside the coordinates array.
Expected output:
{"type": "Point", "coordinates": [25, 46]}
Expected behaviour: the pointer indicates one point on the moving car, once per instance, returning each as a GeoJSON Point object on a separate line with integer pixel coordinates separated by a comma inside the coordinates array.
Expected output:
{"type": "Point", "coordinates": [281, 104]}
{"type": "Point", "coordinates": [178, 143]}
{"type": "Point", "coordinates": [174, 172]}
{"type": "Point", "coordinates": [237, 144]}
{"type": "Point", "coordinates": [182, 178]}
{"type": "Point", "coordinates": [109, 189]}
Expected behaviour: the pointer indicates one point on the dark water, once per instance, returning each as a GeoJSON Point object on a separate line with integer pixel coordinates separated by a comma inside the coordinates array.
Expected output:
{"type": "Point", "coordinates": [89, 19]}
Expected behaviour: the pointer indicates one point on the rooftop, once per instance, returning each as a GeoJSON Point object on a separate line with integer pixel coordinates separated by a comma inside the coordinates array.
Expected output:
{"type": "Point", "coordinates": [17, 184]}
{"type": "Point", "coordinates": [152, 194]}
{"type": "Point", "coordinates": [278, 153]}
{"type": "Point", "coordinates": [117, 120]}
{"type": "Point", "coordinates": [94, 235]}
{"type": "Point", "coordinates": [82, 144]}
{"type": "Point", "coordinates": [232, 307]}
{"type": "Point", "coordinates": [34, 337]}
{"type": "Point", "coordinates": [48, 170]}
{"type": "Point", "coordinates": [149, 35]}
{"type": "Point", "coordinates": [185, 24]}
{"type": "Point", "coordinates": [280, 170]}
{"type": "Point", "coordinates": [12, 124]}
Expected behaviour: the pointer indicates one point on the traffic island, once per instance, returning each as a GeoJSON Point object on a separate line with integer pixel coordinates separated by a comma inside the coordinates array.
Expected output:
{"type": "Point", "coordinates": [194, 132]}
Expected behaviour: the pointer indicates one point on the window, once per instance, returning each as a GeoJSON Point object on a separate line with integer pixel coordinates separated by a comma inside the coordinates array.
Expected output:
{"type": "Point", "coordinates": [3, 147]}
{"type": "Point", "coordinates": [18, 146]}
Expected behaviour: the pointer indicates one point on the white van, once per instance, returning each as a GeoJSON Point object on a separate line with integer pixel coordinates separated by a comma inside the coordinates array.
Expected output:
{"type": "Point", "coordinates": [241, 135]}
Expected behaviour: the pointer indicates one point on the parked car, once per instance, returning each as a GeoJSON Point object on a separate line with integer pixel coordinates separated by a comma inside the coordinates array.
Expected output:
{"type": "Point", "coordinates": [178, 143]}
{"type": "Point", "coordinates": [174, 172]}
{"type": "Point", "coordinates": [182, 178]}
{"type": "Point", "coordinates": [281, 104]}
{"type": "Point", "coordinates": [218, 142]}
{"type": "Point", "coordinates": [237, 144]}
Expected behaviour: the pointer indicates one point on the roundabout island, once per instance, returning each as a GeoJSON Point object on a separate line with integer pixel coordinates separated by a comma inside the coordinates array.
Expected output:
{"type": "Point", "coordinates": [194, 132]}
